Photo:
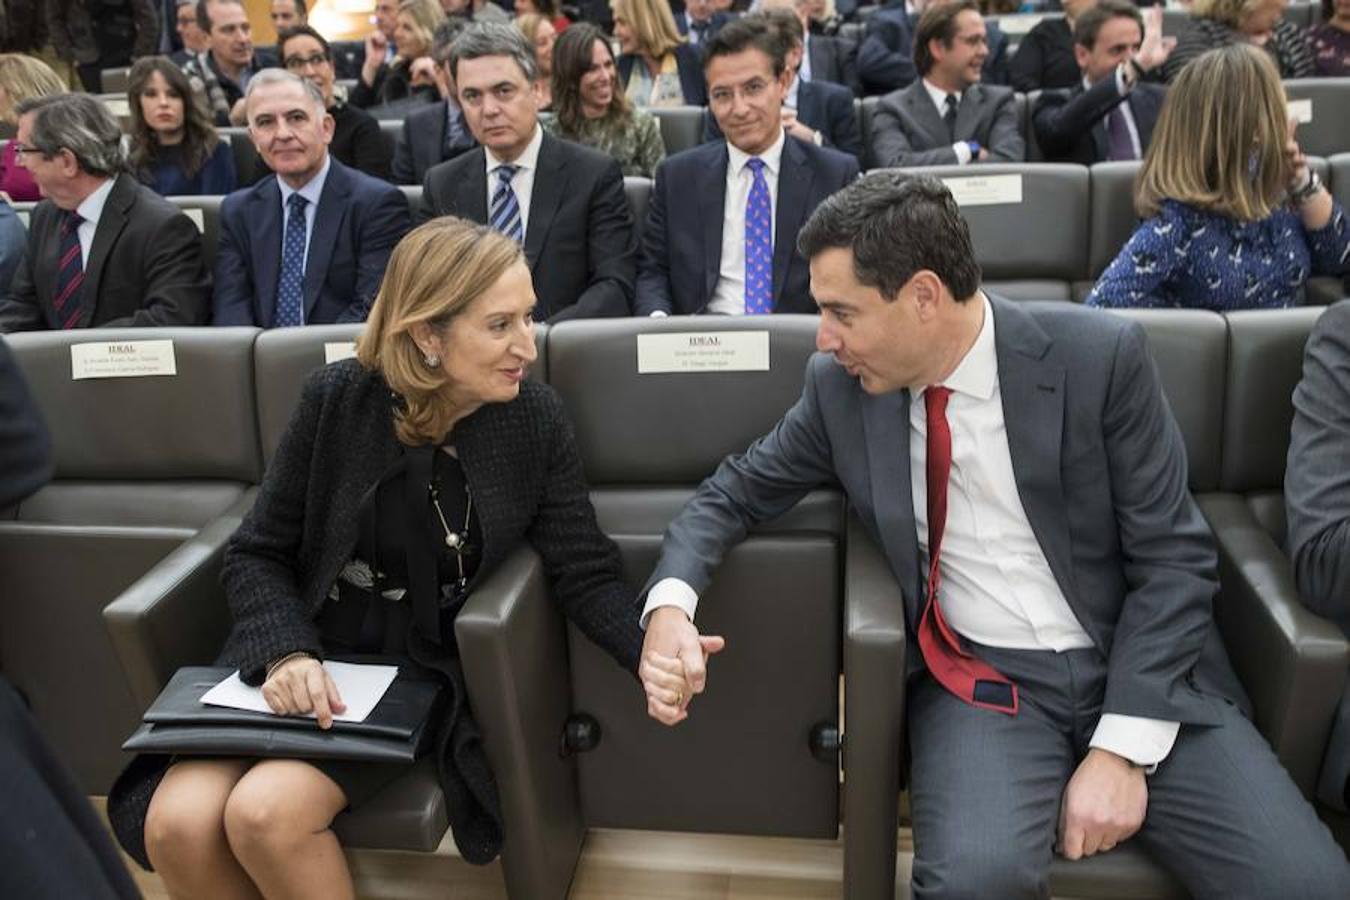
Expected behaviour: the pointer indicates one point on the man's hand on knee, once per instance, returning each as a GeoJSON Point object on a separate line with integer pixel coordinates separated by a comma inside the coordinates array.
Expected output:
{"type": "Point", "coordinates": [674, 664]}
{"type": "Point", "coordinates": [1104, 804]}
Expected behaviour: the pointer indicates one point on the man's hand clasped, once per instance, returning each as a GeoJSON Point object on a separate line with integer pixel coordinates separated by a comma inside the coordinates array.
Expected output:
{"type": "Point", "coordinates": [674, 664]}
{"type": "Point", "coordinates": [1104, 803]}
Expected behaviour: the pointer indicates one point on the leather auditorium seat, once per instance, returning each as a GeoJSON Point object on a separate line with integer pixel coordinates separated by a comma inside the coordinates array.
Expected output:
{"type": "Point", "coordinates": [681, 126]}
{"type": "Point", "coordinates": [638, 192]}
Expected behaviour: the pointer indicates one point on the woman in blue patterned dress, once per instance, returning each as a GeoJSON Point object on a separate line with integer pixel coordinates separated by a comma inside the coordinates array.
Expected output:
{"type": "Point", "coordinates": [1233, 216]}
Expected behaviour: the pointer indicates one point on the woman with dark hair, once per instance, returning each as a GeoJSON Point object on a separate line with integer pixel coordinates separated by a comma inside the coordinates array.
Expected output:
{"type": "Point", "coordinates": [356, 135]}
{"type": "Point", "coordinates": [1330, 41]}
{"type": "Point", "coordinates": [174, 147]}
{"type": "Point", "coordinates": [592, 110]}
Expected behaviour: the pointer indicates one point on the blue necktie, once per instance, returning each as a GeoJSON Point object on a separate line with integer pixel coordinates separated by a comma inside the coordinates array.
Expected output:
{"type": "Point", "coordinates": [291, 285]}
{"type": "Point", "coordinates": [69, 272]}
{"type": "Point", "coordinates": [505, 212]}
{"type": "Point", "coordinates": [758, 244]}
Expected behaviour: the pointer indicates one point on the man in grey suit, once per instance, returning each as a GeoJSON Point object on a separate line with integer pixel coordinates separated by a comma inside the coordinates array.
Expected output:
{"type": "Point", "coordinates": [947, 117]}
{"type": "Point", "coordinates": [1317, 500]}
{"type": "Point", "coordinates": [1027, 482]}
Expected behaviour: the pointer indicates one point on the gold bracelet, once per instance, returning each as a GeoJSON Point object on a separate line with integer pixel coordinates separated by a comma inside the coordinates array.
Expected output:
{"type": "Point", "coordinates": [277, 664]}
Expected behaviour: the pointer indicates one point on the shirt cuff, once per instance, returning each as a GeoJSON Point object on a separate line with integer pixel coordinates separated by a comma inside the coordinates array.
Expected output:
{"type": "Point", "coordinates": [669, 592]}
{"type": "Point", "coordinates": [962, 152]}
{"type": "Point", "coordinates": [657, 314]}
{"type": "Point", "coordinates": [1144, 742]}
{"type": "Point", "coordinates": [1123, 87]}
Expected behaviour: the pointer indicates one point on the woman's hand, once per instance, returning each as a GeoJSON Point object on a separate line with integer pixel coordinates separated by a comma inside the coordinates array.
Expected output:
{"type": "Point", "coordinates": [376, 46]}
{"type": "Point", "coordinates": [1298, 163]}
{"type": "Point", "coordinates": [301, 686]}
{"type": "Point", "coordinates": [422, 72]}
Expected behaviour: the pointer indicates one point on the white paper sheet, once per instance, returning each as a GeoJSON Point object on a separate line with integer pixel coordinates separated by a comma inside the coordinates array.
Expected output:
{"type": "Point", "coordinates": [359, 686]}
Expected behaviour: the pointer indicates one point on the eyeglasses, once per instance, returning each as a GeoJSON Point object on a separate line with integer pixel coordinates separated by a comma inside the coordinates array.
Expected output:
{"type": "Point", "coordinates": [298, 63]}
{"type": "Point", "coordinates": [20, 150]}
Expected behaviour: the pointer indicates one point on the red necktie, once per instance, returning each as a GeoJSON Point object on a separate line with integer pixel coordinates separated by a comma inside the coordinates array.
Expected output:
{"type": "Point", "coordinates": [968, 677]}
{"type": "Point", "coordinates": [69, 272]}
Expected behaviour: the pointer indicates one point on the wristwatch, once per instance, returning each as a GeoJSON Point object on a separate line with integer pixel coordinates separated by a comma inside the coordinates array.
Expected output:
{"type": "Point", "coordinates": [1301, 195]}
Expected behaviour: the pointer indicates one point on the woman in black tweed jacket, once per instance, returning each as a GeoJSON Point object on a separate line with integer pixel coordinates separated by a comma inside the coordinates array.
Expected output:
{"type": "Point", "coordinates": [403, 478]}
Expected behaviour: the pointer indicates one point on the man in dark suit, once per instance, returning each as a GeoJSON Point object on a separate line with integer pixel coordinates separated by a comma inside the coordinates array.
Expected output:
{"type": "Point", "coordinates": [564, 202]}
{"type": "Point", "coordinates": [699, 21]}
{"type": "Point", "coordinates": [948, 117]}
{"type": "Point", "coordinates": [817, 112]}
{"type": "Point", "coordinates": [885, 60]}
{"type": "Point", "coordinates": [824, 57]}
{"type": "Point", "coordinates": [1109, 115]}
{"type": "Point", "coordinates": [1317, 500]}
{"type": "Point", "coordinates": [722, 219]}
{"type": "Point", "coordinates": [1020, 469]}
{"type": "Point", "coordinates": [103, 250]}
{"type": "Point", "coordinates": [433, 134]}
{"type": "Point", "coordinates": [310, 245]}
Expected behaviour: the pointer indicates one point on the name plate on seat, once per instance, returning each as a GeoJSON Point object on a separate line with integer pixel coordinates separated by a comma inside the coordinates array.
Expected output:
{"type": "Point", "coordinates": [122, 359]}
{"type": "Point", "coordinates": [985, 190]}
{"type": "Point", "coordinates": [1301, 111]}
{"type": "Point", "coordinates": [704, 351]}
{"type": "Point", "coordinates": [336, 351]}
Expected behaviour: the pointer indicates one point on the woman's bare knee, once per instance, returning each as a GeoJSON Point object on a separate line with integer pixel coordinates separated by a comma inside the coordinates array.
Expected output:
{"type": "Point", "coordinates": [184, 825]}
{"type": "Point", "coordinates": [279, 806]}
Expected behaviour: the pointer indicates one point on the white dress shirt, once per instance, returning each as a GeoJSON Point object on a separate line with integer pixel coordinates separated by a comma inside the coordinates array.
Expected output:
{"type": "Point", "coordinates": [312, 190]}
{"type": "Point", "coordinates": [804, 70]}
{"type": "Point", "coordinates": [939, 96]}
{"type": "Point", "coordinates": [729, 295]}
{"type": "Point", "coordinates": [91, 210]}
{"type": "Point", "coordinates": [522, 183]}
{"type": "Point", "coordinates": [1007, 598]}
{"type": "Point", "coordinates": [1123, 88]}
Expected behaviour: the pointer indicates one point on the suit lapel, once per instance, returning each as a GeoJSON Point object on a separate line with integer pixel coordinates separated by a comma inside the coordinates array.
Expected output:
{"type": "Point", "coordinates": [967, 112]}
{"type": "Point", "coordinates": [712, 196]}
{"type": "Point", "coordinates": [470, 191]}
{"type": "Point", "coordinates": [886, 442]}
{"type": "Point", "coordinates": [328, 220]}
{"type": "Point", "coordinates": [809, 103]}
{"type": "Point", "coordinates": [265, 210]}
{"type": "Point", "coordinates": [1032, 389]}
{"type": "Point", "coordinates": [922, 110]}
{"type": "Point", "coordinates": [550, 181]}
{"type": "Point", "coordinates": [794, 187]}
{"type": "Point", "coordinates": [111, 221]}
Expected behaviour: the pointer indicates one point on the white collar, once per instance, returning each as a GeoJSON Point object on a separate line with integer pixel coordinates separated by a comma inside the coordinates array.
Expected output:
{"type": "Point", "coordinates": [977, 373]}
{"type": "Point", "coordinates": [91, 208]}
{"type": "Point", "coordinates": [312, 190]}
{"type": "Point", "coordinates": [529, 159]}
{"type": "Point", "coordinates": [940, 96]}
{"type": "Point", "coordinates": [773, 157]}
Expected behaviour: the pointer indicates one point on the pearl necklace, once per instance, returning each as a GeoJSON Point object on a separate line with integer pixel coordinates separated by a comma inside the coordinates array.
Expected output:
{"type": "Point", "coordinates": [457, 541]}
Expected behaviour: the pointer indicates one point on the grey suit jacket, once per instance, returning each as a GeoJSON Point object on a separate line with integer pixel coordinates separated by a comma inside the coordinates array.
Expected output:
{"type": "Point", "coordinates": [1101, 471]}
{"type": "Point", "coordinates": [907, 130]}
{"type": "Point", "coordinates": [1317, 500]}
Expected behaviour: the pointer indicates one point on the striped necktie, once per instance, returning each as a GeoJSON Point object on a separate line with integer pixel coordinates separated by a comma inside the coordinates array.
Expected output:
{"type": "Point", "coordinates": [69, 272]}
{"type": "Point", "coordinates": [505, 212]}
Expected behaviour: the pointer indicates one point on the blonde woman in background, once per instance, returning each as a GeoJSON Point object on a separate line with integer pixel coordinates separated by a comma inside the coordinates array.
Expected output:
{"type": "Point", "coordinates": [657, 66]}
{"type": "Point", "coordinates": [541, 35]}
{"type": "Point", "coordinates": [387, 82]}
{"type": "Point", "coordinates": [21, 77]}
{"type": "Point", "coordinates": [1261, 23]}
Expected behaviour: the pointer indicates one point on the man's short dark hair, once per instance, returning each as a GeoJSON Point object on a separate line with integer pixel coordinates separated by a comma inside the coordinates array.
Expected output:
{"type": "Point", "coordinates": [938, 23]}
{"type": "Point", "coordinates": [301, 31]}
{"type": "Point", "coordinates": [1090, 23]}
{"type": "Point", "coordinates": [204, 15]}
{"type": "Point", "coordinates": [896, 224]}
{"type": "Point", "coordinates": [444, 38]}
{"type": "Point", "coordinates": [747, 33]}
{"type": "Point", "coordinates": [482, 39]}
{"type": "Point", "coordinates": [786, 21]}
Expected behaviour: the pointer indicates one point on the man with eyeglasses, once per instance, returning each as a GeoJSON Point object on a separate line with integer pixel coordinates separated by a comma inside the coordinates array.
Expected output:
{"type": "Point", "coordinates": [309, 245]}
{"type": "Point", "coordinates": [104, 251]}
{"type": "Point", "coordinates": [948, 117]}
{"type": "Point", "coordinates": [357, 141]}
{"type": "Point", "coordinates": [887, 54]}
{"type": "Point", "coordinates": [194, 40]}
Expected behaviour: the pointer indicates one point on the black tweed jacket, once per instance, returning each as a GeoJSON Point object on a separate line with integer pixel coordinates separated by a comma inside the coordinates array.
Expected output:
{"type": "Point", "coordinates": [521, 463]}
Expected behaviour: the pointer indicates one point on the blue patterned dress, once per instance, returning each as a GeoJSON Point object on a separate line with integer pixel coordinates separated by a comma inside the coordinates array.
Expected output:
{"type": "Point", "coordinates": [1187, 257]}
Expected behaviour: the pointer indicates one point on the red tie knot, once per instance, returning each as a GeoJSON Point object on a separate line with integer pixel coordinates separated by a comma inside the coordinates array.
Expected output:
{"type": "Point", "coordinates": [935, 400]}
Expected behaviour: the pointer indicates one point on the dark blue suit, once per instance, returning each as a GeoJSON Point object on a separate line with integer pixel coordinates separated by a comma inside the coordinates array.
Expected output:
{"type": "Point", "coordinates": [682, 240]}
{"type": "Point", "coordinates": [357, 224]}
{"type": "Point", "coordinates": [689, 60]}
{"type": "Point", "coordinates": [714, 24]}
{"type": "Point", "coordinates": [886, 56]}
{"type": "Point", "coordinates": [821, 106]}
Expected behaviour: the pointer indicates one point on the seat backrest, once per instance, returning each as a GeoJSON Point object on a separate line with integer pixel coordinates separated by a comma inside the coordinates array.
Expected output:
{"type": "Point", "coordinates": [413, 193]}
{"type": "Point", "coordinates": [647, 438]}
{"type": "Point", "coordinates": [1027, 220]}
{"type": "Point", "coordinates": [114, 81]}
{"type": "Point", "coordinates": [1034, 153]}
{"type": "Point", "coordinates": [141, 464]}
{"type": "Point", "coordinates": [390, 129]}
{"type": "Point", "coordinates": [1190, 349]}
{"type": "Point", "coordinates": [1113, 219]}
{"type": "Point", "coordinates": [1301, 14]}
{"type": "Point", "coordinates": [247, 164]}
{"type": "Point", "coordinates": [638, 192]}
{"type": "Point", "coordinates": [681, 126]}
{"type": "Point", "coordinates": [1327, 131]}
{"type": "Point", "coordinates": [1340, 178]}
{"type": "Point", "coordinates": [204, 211]}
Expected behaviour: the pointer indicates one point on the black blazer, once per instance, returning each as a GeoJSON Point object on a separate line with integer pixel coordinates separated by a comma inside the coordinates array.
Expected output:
{"type": "Point", "coordinates": [421, 144]}
{"type": "Point", "coordinates": [579, 241]}
{"type": "Point", "coordinates": [145, 267]}
{"type": "Point", "coordinates": [1071, 123]}
{"type": "Point", "coordinates": [25, 446]}
{"type": "Point", "coordinates": [689, 60]}
{"type": "Point", "coordinates": [357, 224]}
{"type": "Point", "coordinates": [1044, 58]}
{"type": "Point", "coordinates": [682, 238]}
{"type": "Point", "coordinates": [833, 59]}
{"type": "Point", "coordinates": [821, 106]}
{"type": "Point", "coordinates": [714, 24]}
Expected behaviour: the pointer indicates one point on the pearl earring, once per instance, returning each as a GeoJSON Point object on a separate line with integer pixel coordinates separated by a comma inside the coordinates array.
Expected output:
{"type": "Point", "coordinates": [433, 361]}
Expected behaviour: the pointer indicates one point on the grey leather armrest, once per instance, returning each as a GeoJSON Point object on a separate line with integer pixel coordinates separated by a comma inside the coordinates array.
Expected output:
{"type": "Point", "coordinates": [513, 646]}
{"type": "Point", "coordinates": [874, 709]}
{"type": "Point", "coordinates": [175, 614]}
{"type": "Point", "coordinates": [1291, 661]}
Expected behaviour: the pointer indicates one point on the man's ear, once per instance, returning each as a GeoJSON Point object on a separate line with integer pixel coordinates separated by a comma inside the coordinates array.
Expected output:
{"type": "Point", "coordinates": [1081, 55]}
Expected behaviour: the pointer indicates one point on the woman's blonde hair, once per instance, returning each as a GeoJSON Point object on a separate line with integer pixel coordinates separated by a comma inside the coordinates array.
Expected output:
{"type": "Point", "coordinates": [653, 25]}
{"type": "Point", "coordinates": [1219, 142]}
{"type": "Point", "coordinates": [22, 78]}
{"type": "Point", "coordinates": [1227, 12]}
{"type": "Point", "coordinates": [426, 17]}
{"type": "Point", "coordinates": [434, 273]}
